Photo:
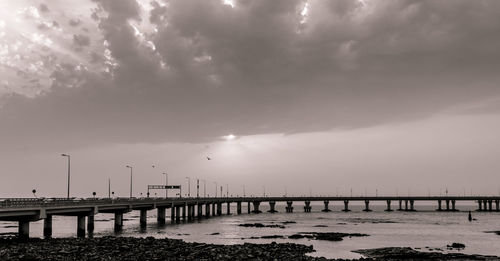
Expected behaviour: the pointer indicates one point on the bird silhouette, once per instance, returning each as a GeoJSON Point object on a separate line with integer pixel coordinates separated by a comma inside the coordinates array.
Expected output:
{"type": "Point", "coordinates": [208, 158]}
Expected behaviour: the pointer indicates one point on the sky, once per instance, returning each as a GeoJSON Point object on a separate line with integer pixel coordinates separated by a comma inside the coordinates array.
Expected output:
{"type": "Point", "coordinates": [288, 96]}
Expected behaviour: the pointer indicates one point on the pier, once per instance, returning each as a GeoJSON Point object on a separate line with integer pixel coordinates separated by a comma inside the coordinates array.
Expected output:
{"type": "Point", "coordinates": [26, 210]}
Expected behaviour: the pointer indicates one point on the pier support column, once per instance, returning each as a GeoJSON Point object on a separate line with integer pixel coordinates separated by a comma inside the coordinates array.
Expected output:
{"type": "Point", "coordinates": [490, 205]}
{"type": "Point", "coordinates": [411, 205]}
{"type": "Point", "coordinates": [23, 229]}
{"type": "Point", "coordinates": [80, 226]}
{"type": "Point", "coordinates": [400, 205]}
{"type": "Point", "coordinates": [47, 227]}
{"type": "Point", "coordinates": [272, 205]}
{"type": "Point", "coordinates": [367, 206]}
{"type": "Point", "coordinates": [238, 207]}
{"type": "Point", "coordinates": [388, 206]}
{"type": "Point", "coordinates": [307, 207]}
{"type": "Point", "coordinates": [497, 203]}
{"type": "Point", "coordinates": [184, 212]}
{"type": "Point", "coordinates": [346, 206]}
{"type": "Point", "coordinates": [228, 208]}
{"type": "Point", "coordinates": [219, 209]}
{"type": "Point", "coordinates": [289, 207]}
{"type": "Point", "coordinates": [172, 214]}
{"type": "Point", "coordinates": [439, 205]}
{"type": "Point", "coordinates": [406, 205]}
{"type": "Point", "coordinates": [200, 210]}
{"type": "Point", "coordinates": [453, 205]}
{"type": "Point", "coordinates": [479, 202]}
{"type": "Point", "coordinates": [214, 213]}
{"type": "Point", "coordinates": [143, 217]}
{"type": "Point", "coordinates": [326, 202]}
{"type": "Point", "coordinates": [207, 210]}
{"type": "Point", "coordinates": [178, 214]}
{"type": "Point", "coordinates": [447, 205]}
{"type": "Point", "coordinates": [160, 215]}
{"type": "Point", "coordinates": [485, 205]}
{"type": "Point", "coordinates": [256, 205]}
{"type": "Point", "coordinates": [248, 206]}
{"type": "Point", "coordinates": [90, 225]}
{"type": "Point", "coordinates": [118, 221]}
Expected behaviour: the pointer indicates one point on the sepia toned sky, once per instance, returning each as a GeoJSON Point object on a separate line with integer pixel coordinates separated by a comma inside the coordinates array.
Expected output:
{"type": "Point", "coordinates": [321, 96]}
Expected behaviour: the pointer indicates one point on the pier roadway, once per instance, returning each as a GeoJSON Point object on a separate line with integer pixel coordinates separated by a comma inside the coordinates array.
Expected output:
{"type": "Point", "coordinates": [26, 210]}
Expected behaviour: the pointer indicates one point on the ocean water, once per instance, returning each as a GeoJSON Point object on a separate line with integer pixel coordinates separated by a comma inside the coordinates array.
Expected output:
{"type": "Point", "coordinates": [420, 229]}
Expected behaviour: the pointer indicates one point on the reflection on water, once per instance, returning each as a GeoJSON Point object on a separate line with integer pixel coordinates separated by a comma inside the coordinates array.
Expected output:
{"type": "Point", "coordinates": [421, 229]}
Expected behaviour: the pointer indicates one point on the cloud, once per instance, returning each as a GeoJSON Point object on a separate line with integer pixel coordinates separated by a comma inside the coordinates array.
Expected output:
{"type": "Point", "coordinates": [259, 67]}
{"type": "Point", "coordinates": [74, 22]}
{"type": "Point", "coordinates": [81, 40]}
{"type": "Point", "coordinates": [43, 8]}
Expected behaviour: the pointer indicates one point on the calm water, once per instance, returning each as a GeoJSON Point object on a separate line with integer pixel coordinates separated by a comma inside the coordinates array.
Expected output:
{"type": "Point", "coordinates": [424, 228]}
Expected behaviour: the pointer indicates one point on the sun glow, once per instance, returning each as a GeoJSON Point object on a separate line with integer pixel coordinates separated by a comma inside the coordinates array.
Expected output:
{"type": "Point", "coordinates": [229, 137]}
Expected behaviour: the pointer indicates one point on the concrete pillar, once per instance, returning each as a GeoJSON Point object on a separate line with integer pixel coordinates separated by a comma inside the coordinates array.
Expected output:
{"type": "Point", "coordinates": [219, 208]}
{"type": "Point", "coordinates": [307, 207]}
{"type": "Point", "coordinates": [80, 226]}
{"type": "Point", "coordinates": [249, 211]}
{"type": "Point", "coordinates": [367, 206]}
{"type": "Point", "coordinates": [207, 210]}
{"type": "Point", "coordinates": [497, 203]}
{"type": "Point", "coordinates": [143, 218]}
{"type": "Point", "coordinates": [406, 205]}
{"type": "Point", "coordinates": [118, 221]}
{"type": "Point", "coordinates": [184, 212]}
{"type": "Point", "coordinates": [47, 227]}
{"type": "Point", "coordinates": [453, 205]}
{"type": "Point", "coordinates": [400, 205]}
{"type": "Point", "coordinates": [272, 208]}
{"type": "Point", "coordinates": [326, 209]}
{"type": "Point", "coordinates": [439, 205]}
{"type": "Point", "coordinates": [160, 215]}
{"type": "Point", "coordinates": [172, 214]}
{"type": "Point", "coordinates": [289, 207]}
{"type": "Point", "coordinates": [200, 210]}
{"type": "Point", "coordinates": [256, 205]}
{"type": "Point", "coordinates": [238, 207]}
{"type": "Point", "coordinates": [23, 229]}
{"type": "Point", "coordinates": [346, 206]}
{"type": "Point", "coordinates": [90, 225]}
{"type": "Point", "coordinates": [485, 205]}
{"type": "Point", "coordinates": [411, 205]}
{"type": "Point", "coordinates": [228, 208]}
{"type": "Point", "coordinates": [388, 206]}
{"type": "Point", "coordinates": [447, 205]}
{"type": "Point", "coordinates": [178, 214]}
{"type": "Point", "coordinates": [490, 205]}
{"type": "Point", "coordinates": [213, 209]}
{"type": "Point", "coordinates": [479, 202]}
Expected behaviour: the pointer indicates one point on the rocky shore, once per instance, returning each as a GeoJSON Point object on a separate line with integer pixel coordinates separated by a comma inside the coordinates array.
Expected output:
{"type": "Point", "coordinates": [126, 248]}
{"type": "Point", "coordinates": [407, 253]}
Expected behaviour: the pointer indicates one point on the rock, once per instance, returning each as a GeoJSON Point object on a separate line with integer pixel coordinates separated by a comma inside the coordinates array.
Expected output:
{"type": "Point", "coordinates": [456, 245]}
{"type": "Point", "coordinates": [407, 253]}
{"type": "Point", "coordinates": [259, 225]}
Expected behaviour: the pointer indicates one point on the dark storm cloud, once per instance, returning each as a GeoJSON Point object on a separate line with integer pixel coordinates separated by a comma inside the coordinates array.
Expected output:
{"type": "Point", "coordinates": [263, 68]}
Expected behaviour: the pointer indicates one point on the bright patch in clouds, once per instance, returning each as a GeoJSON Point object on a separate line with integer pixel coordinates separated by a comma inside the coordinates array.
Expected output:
{"type": "Point", "coordinates": [229, 137]}
{"type": "Point", "coordinates": [229, 2]}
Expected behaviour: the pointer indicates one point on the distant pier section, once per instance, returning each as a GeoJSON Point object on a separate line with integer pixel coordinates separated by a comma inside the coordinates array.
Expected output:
{"type": "Point", "coordinates": [26, 210]}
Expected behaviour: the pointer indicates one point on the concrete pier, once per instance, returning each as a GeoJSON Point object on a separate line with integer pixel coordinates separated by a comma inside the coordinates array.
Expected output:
{"type": "Point", "coordinates": [497, 204]}
{"type": "Point", "coordinates": [23, 229]}
{"type": "Point", "coordinates": [256, 205]}
{"type": "Point", "coordinates": [200, 210]}
{"type": "Point", "coordinates": [307, 207]}
{"type": "Point", "coordinates": [178, 214]}
{"type": "Point", "coordinates": [143, 217]}
{"type": "Point", "coordinates": [412, 205]}
{"type": "Point", "coordinates": [367, 206]}
{"type": "Point", "coordinates": [406, 205]}
{"type": "Point", "coordinates": [346, 206]}
{"type": "Point", "coordinates": [388, 206]}
{"type": "Point", "coordinates": [172, 214]}
{"type": "Point", "coordinates": [207, 210]}
{"type": "Point", "coordinates": [447, 205]}
{"type": "Point", "coordinates": [219, 209]}
{"type": "Point", "coordinates": [490, 205]}
{"type": "Point", "coordinates": [400, 205]}
{"type": "Point", "coordinates": [485, 205]}
{"type": "Point", "coordinates": [326, 209]}
{"type": "Point", "coordinates": [90, 225]}
{"type": "Point", "coordinates": [238, 207]}
{"type": "Point", "coordinates": [228, 208]}
{"type": "Point", "coordinates": [272, 205]}
{"type": "Point", "coordinates": [453, 205]}
{"type": "Point", "coordinates": [439, 205]}
{"type": "Point", "coordinates": [160, 215]}
{"type": "Point", "coordinates": [289, 207]}
{"type": "Point", "coordinates": [47, 227]}
{"type": "Point", "coordinates": [184, 212]}
{"type": "Point", "coordinates": [248, 206]}
{"type": "Point", "coordinates": [118, 221]}
{"type": "Point", "coordinates": [480, 205]}
{"type": "Point", "coordinates": [214, 213]}
{"type": "Point", "coordinates": [80, 226]}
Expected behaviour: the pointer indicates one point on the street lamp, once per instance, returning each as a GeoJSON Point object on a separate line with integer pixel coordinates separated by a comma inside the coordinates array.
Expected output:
{"type": "Point", "coordinates": [69, 169]}
{"type": "Point", "coordinates": [130, 167]}
{"type": "Point", "coordinates": [189, 186]}
{"type": "Point", "coordinates": [215, 188]}
{"type": "Point", "coordinates": [204, 188]}
{"type": "Point", "coordinates": [166, 184]}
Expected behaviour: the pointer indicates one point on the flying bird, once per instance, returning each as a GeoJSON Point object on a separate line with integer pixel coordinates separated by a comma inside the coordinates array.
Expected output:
{"type": "Point", "coordinates": [208, 158]}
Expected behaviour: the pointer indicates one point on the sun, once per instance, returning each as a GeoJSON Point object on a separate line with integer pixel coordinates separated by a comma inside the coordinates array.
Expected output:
{"type": "Point", "coordinates": [229, 137]}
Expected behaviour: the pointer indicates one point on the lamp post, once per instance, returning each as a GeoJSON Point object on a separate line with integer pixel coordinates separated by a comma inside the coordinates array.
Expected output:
{"type": "Point", "coordinates": [189, 186]}
{"type": "Point", "coordinates": [166, 184]}
{"type": "Point", "coordinates": [215, 188]}
{"type": "Point", "coordinates": [197, 188]}
{"type": "Point", "coordinates": [227, 190]}
{"type": "Point", "coordinates": [130, 167]}
{"type": "Point", "coordinates": [204, 188]}
{"type": "Point", "coordinates": [69, 170]}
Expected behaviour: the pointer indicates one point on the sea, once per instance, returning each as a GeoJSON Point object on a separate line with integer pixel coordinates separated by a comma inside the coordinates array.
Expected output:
{"type": "Point", "coordinates": [424, 229]}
